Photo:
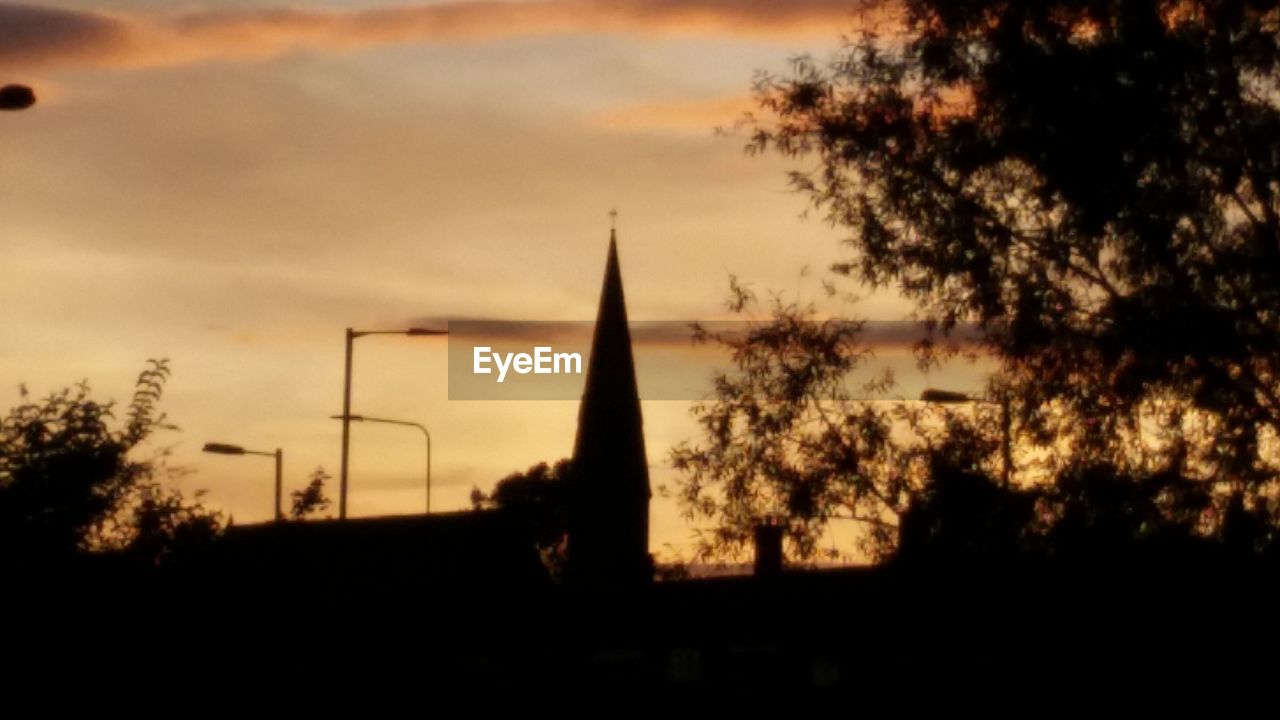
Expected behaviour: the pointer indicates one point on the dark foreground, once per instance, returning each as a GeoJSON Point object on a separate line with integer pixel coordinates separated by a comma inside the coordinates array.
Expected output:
{"type": "Point", "coordinates": [322, 613]}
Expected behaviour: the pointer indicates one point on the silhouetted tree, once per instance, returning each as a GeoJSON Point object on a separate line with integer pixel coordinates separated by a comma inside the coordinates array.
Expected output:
{"type": "Point", "coordinates": [162, 526]}
{"type": "Point", "coordinates": [1097, 186]}
{"type": "Point", "coordinates": [964, 515]}
{"type": "Point", "coordinates": [789, 432]}
{"type": "Point", "coordinates": [311, 500]}
{"type": "Point", "coordinates": [72, 484]}
{"type": "Point", "coordinates": [537, 499]}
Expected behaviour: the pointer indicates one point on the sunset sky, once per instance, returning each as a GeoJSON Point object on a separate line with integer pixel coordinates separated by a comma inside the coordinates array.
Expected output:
{"type": "Point", "coordinates": [230, 184]}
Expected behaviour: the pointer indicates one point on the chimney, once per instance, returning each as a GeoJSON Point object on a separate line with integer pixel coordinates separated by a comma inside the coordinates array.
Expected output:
{"type": "Point", "coordinates": [769, 548]}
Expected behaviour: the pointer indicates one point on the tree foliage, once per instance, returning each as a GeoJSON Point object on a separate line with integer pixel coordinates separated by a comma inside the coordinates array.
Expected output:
{"type": "Point", "coordinates": [796, 429]}
{"type": "Point", "coordinates": [1095, 186]}
{"type": "Point", "coordinates": [538, 501]}
{"type": "Point", "coordinates": [311, 500]}
{"type": "Point", "coordinates": [784, 435]}
{"type": "Point", "coordinates": [72, 482]}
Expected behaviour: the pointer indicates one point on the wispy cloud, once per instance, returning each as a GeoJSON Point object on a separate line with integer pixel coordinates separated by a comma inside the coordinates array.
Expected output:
{"type": "Point", "coordinates": [876, 334]}
{"type": "Point", "coordinates": [683, 116]}
{"type": "Point", "coordinates": [35, 35]}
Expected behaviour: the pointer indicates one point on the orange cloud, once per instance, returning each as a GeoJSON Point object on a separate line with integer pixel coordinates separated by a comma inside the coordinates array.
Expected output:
{"type": "Point", "coordinates": [32, 35]}
{"type": "Point", "coordinates": [485, 20]}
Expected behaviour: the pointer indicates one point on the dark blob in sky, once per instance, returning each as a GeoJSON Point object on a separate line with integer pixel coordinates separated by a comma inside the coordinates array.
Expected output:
{"type": "Point", "coordinates": [16, 97]}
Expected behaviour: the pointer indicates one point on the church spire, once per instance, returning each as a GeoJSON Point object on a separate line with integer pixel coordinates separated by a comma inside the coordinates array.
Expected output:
{"type": "Point", "coordinates": [609, 511]}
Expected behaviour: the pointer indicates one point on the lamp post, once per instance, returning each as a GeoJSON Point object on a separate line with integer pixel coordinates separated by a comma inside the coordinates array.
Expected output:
{"type": "Point", "coordinates": [226, 449]}
{"type": "Point", "coordinates": [406, 423]}
{"type": "Point", "coordinates": [346, 402]}
{"type": "Point", "coordinates": [16, 97]}
{"type": "Point", "coordinates": [950, 397]}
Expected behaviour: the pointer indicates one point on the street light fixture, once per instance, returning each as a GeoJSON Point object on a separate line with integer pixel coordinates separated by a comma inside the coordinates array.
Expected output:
{"type": "Point", "coordinates": [406, 423]}
{"type": "Point", "coordinates": [226, 449]}
{"type": "Point", "coordinates": [951, 397]}
{"type": "Point", "coordinates": [16, 97]}
{"type": "Point", "coordinates": [945, 397]}
{"type": "Point", "coordinates": [346, 402]}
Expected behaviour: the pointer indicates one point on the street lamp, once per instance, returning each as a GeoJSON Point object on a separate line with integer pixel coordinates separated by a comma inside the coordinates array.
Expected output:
{"type": "Point", "coordinates": [225, 449]}
{"type": "Point", "coordinates": [950, 397]}
{"type": "Point", "coordinates": [406, 423]}
{"type": "Point", "coordinates": [346, 402]}
{"type": "Point", "coordinates": [16, 97]}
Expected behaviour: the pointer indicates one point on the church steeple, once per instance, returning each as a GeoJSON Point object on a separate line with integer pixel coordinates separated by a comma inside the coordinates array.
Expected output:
{"type": "Point", "coordinates": [609, 509]}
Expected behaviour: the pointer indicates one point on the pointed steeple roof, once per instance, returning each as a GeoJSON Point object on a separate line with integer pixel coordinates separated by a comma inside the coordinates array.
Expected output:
{"type": "Point", "coordinates": [611, 374]}
{"type": "Point", "coordinates": [609, 516]}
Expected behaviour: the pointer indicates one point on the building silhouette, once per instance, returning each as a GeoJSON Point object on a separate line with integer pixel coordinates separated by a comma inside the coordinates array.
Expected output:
{"type": "Point", "coordinates": [608, 518]}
